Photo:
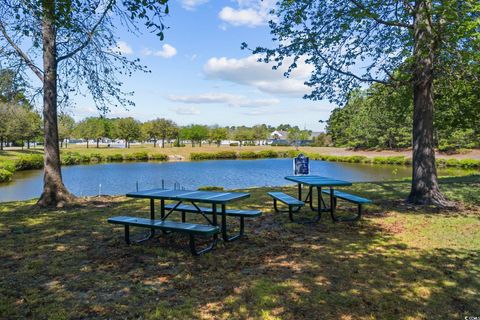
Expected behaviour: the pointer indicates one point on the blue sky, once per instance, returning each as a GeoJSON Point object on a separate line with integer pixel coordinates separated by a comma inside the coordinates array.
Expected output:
{"type": "Point", "coordinates": [200, 74]}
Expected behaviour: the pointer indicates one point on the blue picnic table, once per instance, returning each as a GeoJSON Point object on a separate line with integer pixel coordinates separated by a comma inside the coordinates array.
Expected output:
{"type": "Point", "coordinates": [319, 182]}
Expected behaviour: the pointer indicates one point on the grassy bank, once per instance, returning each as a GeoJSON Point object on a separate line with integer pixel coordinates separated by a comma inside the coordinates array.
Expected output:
{"type": "Point", "coordinates": [11, 161]}
{"type": "Point", "coordinates": [396, 263]}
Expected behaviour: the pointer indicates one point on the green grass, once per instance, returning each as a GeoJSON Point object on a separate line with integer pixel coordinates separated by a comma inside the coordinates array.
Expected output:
{"type": "Point", "coordinates": [398, 262]}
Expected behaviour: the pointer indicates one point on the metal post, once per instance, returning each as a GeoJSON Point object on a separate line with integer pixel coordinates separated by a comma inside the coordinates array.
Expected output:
{"type": "Point", "coordinates": [162, 209]}
{"type": "Point", "coordinates": [300, 191]}
{"type": "Point", "coordinates": [332, 205]}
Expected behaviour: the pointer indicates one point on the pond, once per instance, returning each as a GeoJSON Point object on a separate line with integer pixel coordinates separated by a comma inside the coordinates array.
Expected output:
{"type": "Point", "coordinates": [120, 178]}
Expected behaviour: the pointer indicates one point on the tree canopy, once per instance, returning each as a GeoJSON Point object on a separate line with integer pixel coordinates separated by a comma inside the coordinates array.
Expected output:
{"type": "Point", "coordinates": [393, 43]}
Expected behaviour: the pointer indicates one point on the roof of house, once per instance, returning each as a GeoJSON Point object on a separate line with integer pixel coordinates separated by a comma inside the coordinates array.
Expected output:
{"type": "Point", "coordinates": [280, 133]}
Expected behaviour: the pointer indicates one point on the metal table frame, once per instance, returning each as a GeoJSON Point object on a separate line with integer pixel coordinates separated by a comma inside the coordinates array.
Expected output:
{"type": "Point", "coordinates": [192, 196]}
{"type": "Point", "coordinates": [318, 182]}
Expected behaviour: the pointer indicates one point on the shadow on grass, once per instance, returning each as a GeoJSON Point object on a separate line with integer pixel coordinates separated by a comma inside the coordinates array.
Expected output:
{"type": "Point", "coordinates": [72, 264]}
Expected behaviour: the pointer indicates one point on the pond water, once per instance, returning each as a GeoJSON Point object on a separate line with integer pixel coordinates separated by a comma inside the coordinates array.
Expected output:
{"type": "Point", "coordinates": [120, 178]}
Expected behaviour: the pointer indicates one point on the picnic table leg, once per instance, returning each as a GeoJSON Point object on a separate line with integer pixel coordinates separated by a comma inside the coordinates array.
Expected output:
{"type": "Point", "coordinates": [225, 236]}
{"type": "Point", "coordinates": [300, 191]}
{"type": "Point", "coordinates": [332, 206]}
{"type": "Point", "coordinates": [152, 217]}
{"type": "Point", "coordinates": [319, 204]}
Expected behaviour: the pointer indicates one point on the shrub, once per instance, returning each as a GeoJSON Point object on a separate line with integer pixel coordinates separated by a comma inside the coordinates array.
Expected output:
{"type": "Point", "coordinates": [452, 163]}
{"type": "Point", "coordinates": [234, 144]}
{"type": "Point", "coordinates": [136, 156]}
{"type": "Point", "coordinates": [5, 175]}
{"type": "Point", "coordinates": [268, 154]}
{"type": "Point", "coordinates": [379, 160]}
{"type": "Point", "coordinates": [96, 157]}
{"type": "Point", "coordinates": [210, 188]}
{"type": "Point", "coordinates": [158, 157]}
{"type": "Point", "coordinates": [114, 157]}
{"type": "Point", "coordinates": [396, 160]}
{"type": "Point", "coordinates": [8, 165]}
{"type": "Point", "coordinates": [201, 156]}
{"type": "Point", "coordinates": [355, 159]}
{"type": "Point", "coordinates": [71, 158]}
{"type": "Point", "coordinates": [33, 161]}
{"type": "Point", "coordinates": [225, 155]}
{"type": "Point", "coordinates": [248, 155]}
{"type": "Point", "coordinates": [287, 154]}
{"type": "Point", "coordinates": [469, 163]}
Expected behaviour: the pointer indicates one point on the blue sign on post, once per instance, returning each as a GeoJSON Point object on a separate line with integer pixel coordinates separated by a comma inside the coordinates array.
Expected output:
{"type": "Point", "coordinates": [301, 165]}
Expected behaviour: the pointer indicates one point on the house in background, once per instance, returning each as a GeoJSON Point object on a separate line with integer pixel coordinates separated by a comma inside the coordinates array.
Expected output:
{"type": "Point", "coordinates": [278, 137]}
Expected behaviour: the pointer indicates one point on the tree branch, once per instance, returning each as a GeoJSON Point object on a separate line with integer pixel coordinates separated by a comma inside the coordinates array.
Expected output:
{"type": "Point", "coordinates": [89, 34]}
{"type": "Point", "coordinates": [338, 70]}
{"type": "Point", "coordinates": [378, 19]}
{"type": "Point", "coordinates": [38, 72]}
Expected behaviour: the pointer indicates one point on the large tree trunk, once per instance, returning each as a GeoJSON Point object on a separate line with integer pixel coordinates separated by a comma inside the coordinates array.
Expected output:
{"type": "Point", "coordinates": [425, 189]}
{"type": "Point", "coordinates": [163, 142]}
{"type": "Point", "coordinates": [54, 191]}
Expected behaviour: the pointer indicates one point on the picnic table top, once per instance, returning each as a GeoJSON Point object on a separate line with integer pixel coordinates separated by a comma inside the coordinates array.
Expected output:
{"type": "Point", "coordinates": [318, 181]}
{"type": "Point", "coordinates": [217, 197]}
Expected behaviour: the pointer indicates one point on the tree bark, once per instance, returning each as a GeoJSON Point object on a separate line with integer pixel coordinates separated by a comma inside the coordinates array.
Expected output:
{"type": "Point", "coordinates": [163, 142]}
{"type": "Point", "coordinates": [1, 143]}
{"type": "Point", "coordinates": [154, 143]}
{"type": "Point", "coordinates": [98, 142]}
{"type": "Point", "coordinates": [54, 191]}
{"type": "Point", "coordinates": [425, 189]}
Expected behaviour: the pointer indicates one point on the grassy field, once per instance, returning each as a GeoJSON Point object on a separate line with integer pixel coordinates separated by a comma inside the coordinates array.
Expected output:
{"type": "Point", "coordinates": [398, 262]}
{"type": "Point", "coordinates": [184, 152]}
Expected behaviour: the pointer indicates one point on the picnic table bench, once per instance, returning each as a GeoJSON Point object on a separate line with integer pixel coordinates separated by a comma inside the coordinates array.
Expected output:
{"type": "Point", "coordinates": [293, 203]}
{"type": "Point", "coordinates": [359, 201]}
{"type": "Point", "coordinates": [241, 214]}
{"type": "Point", "coordinates": [170, 226]}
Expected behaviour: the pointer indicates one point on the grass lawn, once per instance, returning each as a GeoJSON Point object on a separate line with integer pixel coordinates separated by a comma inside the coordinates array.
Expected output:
{"type": "Point", "coordinates": [398, 262]}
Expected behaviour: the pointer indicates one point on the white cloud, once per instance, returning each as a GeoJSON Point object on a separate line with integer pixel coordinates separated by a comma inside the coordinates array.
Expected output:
{"type": "Point", "coordinates": [232, 100]}
{"type": "Point", "coordinates": [186, 110]}
{"type": "Point", "coordinates": [250, 13]}
{"type": "Point", "coordinates": [123, 48]}
{"type": "Point", "coordinates": [167, 51]}
{"type": "Point", "coordinates": [248, 71]}
{"type": "Point", "coordinates": [192, 4]}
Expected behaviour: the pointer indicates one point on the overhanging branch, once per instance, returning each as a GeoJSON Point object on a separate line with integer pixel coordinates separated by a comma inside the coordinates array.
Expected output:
{"type": "Point", "coordinates": [38, 72]}
{"type": "Point", "coordinates": [90, 34]}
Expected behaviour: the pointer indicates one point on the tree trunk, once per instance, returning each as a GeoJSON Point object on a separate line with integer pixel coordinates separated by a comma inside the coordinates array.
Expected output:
{"type": "Point", "coordinates": [424, 189]}
{"type": "Point", "coordinates": [163, 142]}
{"type": "Point", "coordinates": [28, 144]}
{"type": "Point", "coordinates": [98, 142]}
{"type": "Point", "coordinates": [87, 143]}
{"type": "Point", "coordinates": [1, 143]}
{"type": "Point", "coordinates": [155, 143]}
{"type": "Point", "coordinates": [54, 191]}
